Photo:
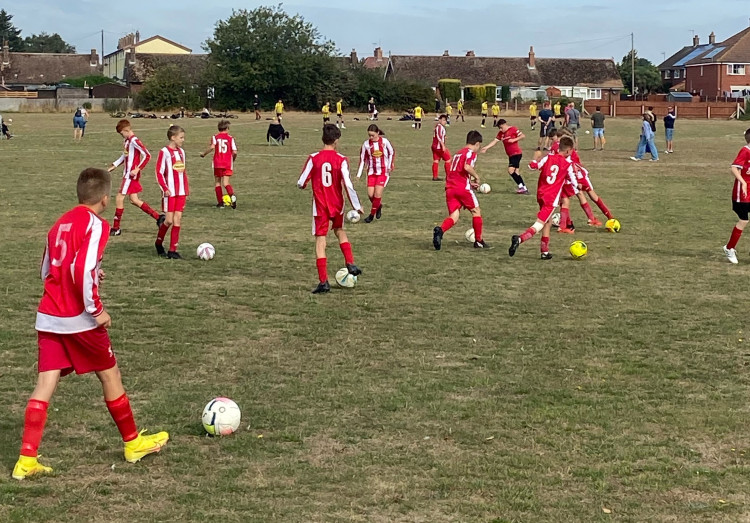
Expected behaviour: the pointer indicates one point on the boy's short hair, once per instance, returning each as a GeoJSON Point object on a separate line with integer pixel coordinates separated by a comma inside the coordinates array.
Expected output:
{"type": "Point", "coordinates": [93, 184]}
{"type": "Point", "coordinates": [473, 138]}
{"type": "Point", "coordinates": [122, 125]}
{"type": "Point", "coordinates": [174, 130]}
{"type": "Point", "coordinates": [553, 132]}
{"type": "Point", "coordinates": [223, 125]}
{"type": "Point", "coordinates": [566, 142]}
{"type": "Point", "coordinates": [598, 108]}
{"type": "Point", "coordinates": [501, 121]}
{"type": "Point", "coordinates": [331, 133]}
{"type": "Point", "coordinates": [747, 136]}
{"type": "Point", "coordinates": [443, 117]}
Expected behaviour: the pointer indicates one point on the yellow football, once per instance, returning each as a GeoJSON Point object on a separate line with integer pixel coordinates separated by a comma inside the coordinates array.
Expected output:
{"type": "Point", "coordinates": [612, 225]}
{"type": "Point", "coordinates": [578, 249]}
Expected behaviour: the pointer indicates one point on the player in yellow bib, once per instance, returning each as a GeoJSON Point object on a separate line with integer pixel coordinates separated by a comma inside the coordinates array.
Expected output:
{"type": "Point", "coordinates": [460, 107]}
{"type": "Point", "coordinates": [279, 108]}
{"type": "Point", "coordinates": [533, 114]}
{"type": "Point", "coordinates": [418, 113]}
{"type": "Point", "coordinates": [326, 112]}
{"type": "Point", "coordinates": [485, 107]}
{"type": "Point", "coordinates": [495, 113]}
{"type": "Point", "coordinates": [448, 112]}
{"type": "Point", "coordinates": [340, 114]}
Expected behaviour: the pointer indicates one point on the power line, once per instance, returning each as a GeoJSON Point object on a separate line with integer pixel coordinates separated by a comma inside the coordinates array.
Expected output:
{"type": "Point", "coordinates": [612, 39]}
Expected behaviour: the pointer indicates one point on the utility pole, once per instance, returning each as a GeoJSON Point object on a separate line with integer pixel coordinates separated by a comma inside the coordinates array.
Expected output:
{"type": "Point", "coordinates": [102, 56]}
{"type": "Point", "coordinates": [632, 65]}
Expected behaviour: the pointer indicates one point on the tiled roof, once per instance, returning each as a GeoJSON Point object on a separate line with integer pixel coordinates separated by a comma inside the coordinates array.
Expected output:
{"type": "Point", "coordinates": [47, 68]}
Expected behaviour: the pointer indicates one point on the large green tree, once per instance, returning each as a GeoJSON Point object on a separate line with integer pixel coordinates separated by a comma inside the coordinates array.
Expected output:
{"type": "Point", "coordinates": [268, 51]}
{"type": "Point", "coordinates": [47, 43]}
{"type": "Point", "coordinates": [169, 88]}
{"type": "Point", "coordinates": [647, 76]}
{"type": "Point", "coordinates": [10, 32]}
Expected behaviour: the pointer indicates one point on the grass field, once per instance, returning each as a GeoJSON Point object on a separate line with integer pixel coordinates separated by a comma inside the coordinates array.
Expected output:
{"type": "Point", "coordinates": [446, 386]}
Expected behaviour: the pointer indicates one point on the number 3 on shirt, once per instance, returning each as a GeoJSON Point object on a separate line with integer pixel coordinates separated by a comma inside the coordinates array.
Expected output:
{"type": "Point", "coordinates": [61, 244]}
{"type": "Point", "coordinates": [552, 176]}
{"type": "Point", "coordinates": [325, 171]}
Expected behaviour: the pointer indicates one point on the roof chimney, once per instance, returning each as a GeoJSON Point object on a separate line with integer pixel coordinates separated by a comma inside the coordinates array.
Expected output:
{"type": "Point", "coordinates": [354, 58]}
{"type": "Point", "coordinates": [94, 59]}
{"type": "Point", "coordinates": [445, 53]}
{"type": "Point", "coordinates": [532, 58]}
{"type": "Point", "coordinates": [712, 38]}
{"type": "Point", "coordinates": [6, 54]}
{"type": "Point", "coordinates": [137, 36]}
{"type": "Point", "coordinates": [470, 53]}
{"type": "Point", "coordinates": [696, 41]}
{"type": "Point", "coordinates": [378, 53]}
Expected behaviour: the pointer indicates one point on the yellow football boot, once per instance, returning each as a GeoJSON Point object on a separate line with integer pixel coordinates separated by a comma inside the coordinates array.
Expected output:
{"type": "Point", "coordinates": [27, 466]}
{"type": "Point", "coordinates": [144, 445]}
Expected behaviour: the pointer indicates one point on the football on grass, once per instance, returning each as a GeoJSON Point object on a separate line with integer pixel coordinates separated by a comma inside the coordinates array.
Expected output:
{"type": "Point", "coordinates": [221, 417]}
{"type": "Point", "coordinates": [206, 251]}
{"type": "Point", "coordinates": [470, 236]}
{"type": "Point", "coordinates": [344, 279]}
{"type": "Point", "coordinates": [352, 216]}
{"type": "Point", "coordinates": [578, 249]}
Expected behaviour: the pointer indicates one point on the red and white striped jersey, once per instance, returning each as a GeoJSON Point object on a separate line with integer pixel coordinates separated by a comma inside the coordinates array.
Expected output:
{"type": "Point", "coordinates": [170, 172]}
{"type": "Point", "coordinates": [225, 149]}
{"type": "Point", "coordinates": [70, 271]}
{"type": "Point", "coordinates": [438, 137]}
{"type": "Point", "coordinates": [377, 156]}
{"type": "Point", "coordinates": [328, 172]}
{"type": "Point", "coordinates": [556, 170]}
{"type": "Point", "coordinates": [135, 155]}
{"type": "Point", "coordinates": [458, 177]}
{"type": "Point", "coordinates": [742, 162]}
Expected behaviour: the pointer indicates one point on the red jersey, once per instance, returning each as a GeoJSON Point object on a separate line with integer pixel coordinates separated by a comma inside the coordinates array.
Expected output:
{"type": "Point", "coordinates": [170, 172]}
{"type": "Point", "coordinates": [457, 177]}
{"type": "Point", "coordinates": [134, 156]}
{"type": "Point", "coordinates": [556, 170]}
{"type": "Point", "coordinates": [328, 172]}
{"type": "Point", "coordinates": [70, 270]}
{"type": "Point", "coordinates": [225, 150]}
{"type": "Point", "coordinates": [742, 162]}
{"type": "Point", "coordinates": [511, 149]}
{"type": "Point", "coordinates": [377, 156]}
{"type": "Point", "coordinates": [438, 137]}
{"type": "Point", "coordinates": [554, 147]}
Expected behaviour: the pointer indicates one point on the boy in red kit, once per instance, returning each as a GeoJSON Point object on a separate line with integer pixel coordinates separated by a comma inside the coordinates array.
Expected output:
{"type": "Point", "coordinates": [328, 173]}
{"type": "Point", "coordinates": [135, 157]}
{"type": "Point", "coordinates": [459, 194]}
{"type": "Point", "coordinates": [225, 153]}
{"type": "Point", "coordinates": [510, 136]}
{"type": "Point", "coordinates": [439, 149]}
{"type": "Point", "coordinates": [740, 197]}
{"type": "Point", "coordinates": [173, 180]}
{"type": "Point", "coordinates": [555, 169]}
{"type": "Point", "coordinates": [72, 325]}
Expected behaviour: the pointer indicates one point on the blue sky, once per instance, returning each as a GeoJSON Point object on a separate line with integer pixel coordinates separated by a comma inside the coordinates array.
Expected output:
{"type": "Point", "coordinates": [584, 29]}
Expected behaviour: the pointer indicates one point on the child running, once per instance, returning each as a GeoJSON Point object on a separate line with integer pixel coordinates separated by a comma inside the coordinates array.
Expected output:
{"type": "Point", "coordinates": [378, 156]}
{"type": "Point", "coordinates": [510, 136]}
{"type": "Point", "coordinates": [225, 153]}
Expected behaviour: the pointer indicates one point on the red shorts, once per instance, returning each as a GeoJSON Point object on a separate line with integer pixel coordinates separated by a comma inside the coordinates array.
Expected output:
{"type": "Point", "coordinates": [440, 154]}
{"type": "Point", "coordinates": [130, 186]}
{"type": "Point", "coordinates": [173, 203]}
{"type": "Point", "coordinates": [569, 190]}
{"type": "Point", "coordinates": [83, 352]}
{"type": "Point", "coordinates": [321, 223]}
{"type": "Point", "coordinates": [458, 199]}
{"type": "Point", "coordinates": [584, 181]}
{"type": "Point", "coordinates": [377, 180]}
{"type": "Point", "coordinates": [221, 171]}
{"type": "Point", "coordinates": [546, 208]}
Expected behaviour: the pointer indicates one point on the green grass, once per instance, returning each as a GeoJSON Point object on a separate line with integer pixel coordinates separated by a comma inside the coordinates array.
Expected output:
{"type": "Point", "coordinates": [446, 386]}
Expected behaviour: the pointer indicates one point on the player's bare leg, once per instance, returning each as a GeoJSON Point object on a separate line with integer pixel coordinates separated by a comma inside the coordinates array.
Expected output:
{"type": "Point", "coordinates": [322, 264]}
{"type": "Point", "coordinates": [437, 232]}
{"type": "Point", "coordinates": [477, 225]}
{"type": "Point", "coordinates": [35, 418]}
{"type": "Point", "coordinates": [346, 250]}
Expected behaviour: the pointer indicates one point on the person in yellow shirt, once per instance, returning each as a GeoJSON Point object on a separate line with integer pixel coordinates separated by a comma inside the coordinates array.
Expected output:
{"type": "Point", "coordinates": [533, 114]}
{"type": "Point", "coordinates": [418, 113]}
{"type": "Point", "coordinates": [485, 107]}
{"type": "Point", "coordinates": [340, 114]}
{"type": "Point", "coordinates": [448, 112]}
{"type": "Point", "coordinates": [495, 113]}
{"type": "Point", "coordinates": [558, 111]}
{"type": "Point", "coordinates": [326, 112]}
{"type": "Point", "coordinates": [460, 107]}
{"type": "Point", "coordinates": [279, 108]}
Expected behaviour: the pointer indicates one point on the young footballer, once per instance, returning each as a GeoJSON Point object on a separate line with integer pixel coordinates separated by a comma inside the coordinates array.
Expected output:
{"type": "Point", "coordinates": [72, 324]}
{"type": "Point", "coordinates": [510, 136]}
{"type": "Point", "coordinates": [555, 169]}
{"type": "Point", "coordinates": [328, 173]}
{"type": "Point", "coordinates": [225, 153]}
{"type": "Point", "coordinates": [172, 178]}
{"type": "Point", "coordinates": [279, 108]}
{"type": "Point", "coordinates": [340, 114]}
{"type": "Point", "coordinates": [418, 113]}
{"type": "Point", "coordinates": [135, 157]}
{"type": "Point", "coordinates": [740, 197]}
{"type": "Point", "coordinates": [533, 114]}
{"type": "Point", "coordinates": [460, 109]}
{"type": "Point", "coordinates": [448, 113]}
{"type": "Point", "coordinates": [326, 112]}
{"type": "Point", "coordinates": [495, 113]}
{"type": "Point", "coordinates": [484, 112]}
{"type": "Point", "coordinates": [378, 156]}
{"type": "Point", "coordinates": [439, 149]}
{"type": "Point", "coordinates": [460, 183]}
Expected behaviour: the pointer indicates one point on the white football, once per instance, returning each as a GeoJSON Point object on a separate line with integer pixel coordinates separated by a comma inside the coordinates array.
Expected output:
{"type": "Point", "coordinates": [587, 132]}
{"type": "Point", "coordinates": [344, 279]}
{"type": "Point", "coordinates": [206, 251]}
{"type": "Point", "coordinates": [353, 216]}
{"type": "Point", "coordinates": [10, 120]}
{"type": "Point", "coordinates": [485, 188]}
{"type": "Point", "coordinates": [555, 219]}
{"type": "Point", "coordinates": [469, 235]}
{"type": "Point", "coordinates": [221, 417]}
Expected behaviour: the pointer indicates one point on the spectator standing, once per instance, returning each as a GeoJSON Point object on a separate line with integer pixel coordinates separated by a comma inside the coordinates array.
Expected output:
{"type": "Point", "coordinates": [669, 128]}
{"type": "Point", "coordinates": [597, 124]}
{"type": "Point", "coordinates": [646, 141]}
{"type": "Point", "coordinates": [256, 106]}
{"type": "Point", "coordinates": [573, 121]}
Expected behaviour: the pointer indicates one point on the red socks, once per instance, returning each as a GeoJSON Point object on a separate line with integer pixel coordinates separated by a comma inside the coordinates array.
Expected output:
{"type": "Point", "coordinates": [175, 239]}
{"type": "Point", "coordinates": [219, 194]}
{"type": "Point", "coordinates": [346, 248]}
{"type": "Point", "coordinates": [734, 238]}
{"type": "Point", "coordinates": [545, 244]}
{"type": "Point", "coordinates": [477, 224]}
{"type": "Point", "coordinates": [229, 189]}
{"type": "Point", "coordinates": [322, 264]}
{"type": "Point", "coordinates": [434, 170]}
{"type": "Point", "coordinates": [603, 208]}
{"type": "Point", "coordinates": [527, 234]}
{"type": "Point", "coordinates": [162, 233]}
{"type": "Point", "coordinates": [375, 205]}
{"type": "Point", "coordinates": [447, 224]}
{"type": "Point", "coordinates": [587, 209]}
{"type": "Point", "coordinates": [118, 217]}
{"type": "Point", "coordinates": [148, 210]}
{"type": "Point", "coordinates": [33, 426]}
{"type": "Point", "coordinates": [123, 416]}
{"type": "Point", "coordinates": [564, 217]}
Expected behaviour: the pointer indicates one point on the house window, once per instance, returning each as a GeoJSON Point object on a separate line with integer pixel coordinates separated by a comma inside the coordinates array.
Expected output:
{"type": "Point", "coordinates": [677, 74]}
{"type": "Point", "coordinates": [738, 69]}
{"type": "Point", "coordinates": [667, 74]}
{"type": "Point", "coordinates": [595, 94]}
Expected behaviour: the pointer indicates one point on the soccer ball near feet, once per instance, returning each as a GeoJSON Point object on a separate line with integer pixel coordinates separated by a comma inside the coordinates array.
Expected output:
{"type": "Point", "coordinates": [206, 251]}
{"type": "Point", "coordinates": [578, 249]}
{"type": "Point", "coordinates": [221, 417]}
{"type": "Point", "coordinates": [353, 216]}
{"type": "Point", "coordinates": [612, 225]}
